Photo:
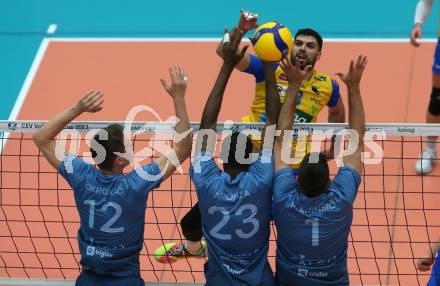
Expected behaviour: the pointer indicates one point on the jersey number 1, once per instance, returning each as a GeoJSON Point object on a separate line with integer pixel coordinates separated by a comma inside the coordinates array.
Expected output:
{"type": "Point", "coordinates": [315, 230]}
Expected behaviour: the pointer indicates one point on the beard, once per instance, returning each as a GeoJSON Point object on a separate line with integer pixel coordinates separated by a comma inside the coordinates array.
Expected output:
{"type": "Point", "coordinates": [304, 62]}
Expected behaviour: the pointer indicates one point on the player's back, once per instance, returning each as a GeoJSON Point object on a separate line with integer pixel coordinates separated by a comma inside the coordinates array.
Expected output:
{"type": "Point", "coordinates": [235, 222]}
{"type": "Point", "coordinates": [313, 231]}
{"type": "Point", "coordinates": [112, 216]}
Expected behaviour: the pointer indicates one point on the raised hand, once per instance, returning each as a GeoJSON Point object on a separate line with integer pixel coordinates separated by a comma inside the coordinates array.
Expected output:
{"type": "Point", "coordinates": [178, 84]}
{"type": "Point", "coordinates": [248, 21]}
{"type": "Point", "coordinates": [91, 102]}
{"type": "Point", "coordinates": [424, 263]}
{"type": "Point", "coordinates": [293, 72]}
{"type": "Point", "coordinates": [416, 34]}
{"type": "Point", "coordinates": [354, 75]}
{"type": "Point", "coordinates": [231, 53]}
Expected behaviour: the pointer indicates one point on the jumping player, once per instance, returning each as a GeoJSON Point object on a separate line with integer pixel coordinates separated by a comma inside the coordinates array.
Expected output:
{"type": "Point", "coordinates": [112, 205]}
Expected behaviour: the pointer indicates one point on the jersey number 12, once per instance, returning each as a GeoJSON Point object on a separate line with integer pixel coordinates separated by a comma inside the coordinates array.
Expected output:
{"type": "Point", "coordinates": [106, 227]}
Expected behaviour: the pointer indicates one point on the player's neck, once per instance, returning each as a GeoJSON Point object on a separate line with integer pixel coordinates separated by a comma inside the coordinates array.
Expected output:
{"type": "Point", "coordinates": [233, 173]}
{"type": "Point", "coordinates": [114, 171]}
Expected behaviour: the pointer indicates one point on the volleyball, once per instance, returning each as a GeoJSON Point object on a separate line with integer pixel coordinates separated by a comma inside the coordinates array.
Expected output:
{"type": "Point", "coordinates": [272, 41]}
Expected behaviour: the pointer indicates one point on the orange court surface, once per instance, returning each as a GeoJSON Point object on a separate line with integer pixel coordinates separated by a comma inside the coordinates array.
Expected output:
{"type": "Point", "coordinates": [395, 213]}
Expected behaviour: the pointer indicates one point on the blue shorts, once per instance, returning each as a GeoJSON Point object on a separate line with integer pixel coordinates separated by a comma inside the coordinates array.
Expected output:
{"type": "Point", "coordinates": [435, 275]}
{"type": "Point", "coordinates": [89, 278]}
{"type": "Point", "coordinates": [436, 64]}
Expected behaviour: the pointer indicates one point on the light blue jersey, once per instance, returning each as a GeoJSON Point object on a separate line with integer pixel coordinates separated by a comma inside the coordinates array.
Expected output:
{"type": "Point", "coordinates": [112, 215]}
{"type": "Point", "coordinates": [235, 221]}
{"type": "Point", "coordinates": [313, 232]}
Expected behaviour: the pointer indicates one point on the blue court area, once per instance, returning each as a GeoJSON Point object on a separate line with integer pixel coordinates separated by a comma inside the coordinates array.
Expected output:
{"type": "Point", "coordinates": [24, 24]}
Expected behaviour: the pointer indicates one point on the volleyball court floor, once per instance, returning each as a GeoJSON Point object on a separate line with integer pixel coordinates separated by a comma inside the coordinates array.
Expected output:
{"type": "Point", "coordinates": [395, 211]}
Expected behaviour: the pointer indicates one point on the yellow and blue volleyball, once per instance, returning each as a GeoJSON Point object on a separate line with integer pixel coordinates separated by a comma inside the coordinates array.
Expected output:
{"type": "Point", "coordinates": [272, 41]}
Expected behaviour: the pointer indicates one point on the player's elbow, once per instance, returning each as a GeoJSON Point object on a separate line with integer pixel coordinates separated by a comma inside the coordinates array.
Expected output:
{"type": "Point", "coordinates": [337, 114]}
{"type": "Point", "coordinates": [38, 139]}
{"type": "Point", "coordinates": [219, 51]}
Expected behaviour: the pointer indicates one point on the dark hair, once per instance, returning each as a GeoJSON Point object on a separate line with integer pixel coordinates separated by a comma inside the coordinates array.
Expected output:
{"type": "Point", "coordinates": [114, 143]}
{"type": "Point", "coordinates": [310, 32]}
{"type": "Point", "coordinates": [313, 178]}
{"type": "Point", "coordinates": [231, 142]}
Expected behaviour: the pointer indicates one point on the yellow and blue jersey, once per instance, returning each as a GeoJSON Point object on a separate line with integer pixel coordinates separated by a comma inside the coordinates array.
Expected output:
{"type": "Point", "coordinates": [320, 91]}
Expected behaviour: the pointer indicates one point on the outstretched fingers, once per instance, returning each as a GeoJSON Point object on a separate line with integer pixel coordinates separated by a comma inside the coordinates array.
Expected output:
{"type": "Point", "coordinates": [237, 38]}
{"type": "Point", "coordinates": [243, 51]}
{"type": "Point", "coordinates": [172, 70]}
{"type": "Point", "coordinates": [92, 101]}
{"type": "Point", "coordinates": [165, 84]}
{"type": "Point", "coordinates": [308, 68]}
{"type": "Point", "coordinates": [285, 64]}
{"type": "Point", "coordinates": [181, 75]}
{"type": "Point", "coordinates": [226, 38]}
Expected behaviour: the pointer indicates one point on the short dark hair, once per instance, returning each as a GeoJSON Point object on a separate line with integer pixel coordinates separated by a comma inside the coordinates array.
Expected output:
{"type": "Point", "coordinates": [114, 143]}
{"type": "Point", "coordinates": [313, 178]}
{"type": "Point", "coordinates": [310, 32]}
{"type": "Point", "coordinates": [232, 162]}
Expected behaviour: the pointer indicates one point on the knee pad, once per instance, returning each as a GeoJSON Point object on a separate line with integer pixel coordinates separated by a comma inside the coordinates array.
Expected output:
{"type": "Point", "coordinates": [434, 103]}
{"type": "Point", "coordinates": [190, 223]}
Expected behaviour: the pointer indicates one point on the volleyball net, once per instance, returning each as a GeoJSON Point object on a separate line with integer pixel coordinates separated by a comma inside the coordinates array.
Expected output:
{"type": "Point", "coordinates": [395, 213]}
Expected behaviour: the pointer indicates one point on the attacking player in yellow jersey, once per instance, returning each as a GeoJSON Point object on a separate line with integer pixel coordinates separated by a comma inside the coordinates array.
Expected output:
{"type": "Point", "coordinates": [317, 91]}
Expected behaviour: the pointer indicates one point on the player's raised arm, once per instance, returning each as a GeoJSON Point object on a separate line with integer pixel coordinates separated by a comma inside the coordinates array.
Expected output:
{"type": "Point", "coordinates": [176, 89]}
{"type": "Point", "coordinates": [247, 22]}
{"type": "Point", "coordinates": [44, 137]}
{"type": "Point", "coordinates": [272, 99]}
{"type": "Point", "coordinates": [295, 75]}
{"type": "Point", "coordinates": [336, 114]}
{"type": "Point", "coordinates": [422, 11]}
{"type": "Point", "coordinates": [231, 57]}
{"type": "Point", "coordinates": [356, 115]}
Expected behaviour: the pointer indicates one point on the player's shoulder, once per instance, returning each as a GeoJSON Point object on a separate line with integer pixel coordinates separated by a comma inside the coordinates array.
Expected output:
{"type": "Point", "coordinates": [324, 83]}
{"type": "Point", "coordinates": [322, 77]}
{"type": "Point", "coordinates": [74, 166]}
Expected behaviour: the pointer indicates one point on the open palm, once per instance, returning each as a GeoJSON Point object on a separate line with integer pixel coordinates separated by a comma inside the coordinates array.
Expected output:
{"type": "Point", "coordinates": [178, 84]}
{"type": "Point", "coordinates": [354, 75]}
{"type": "Point", "coordinates": [91, 102]}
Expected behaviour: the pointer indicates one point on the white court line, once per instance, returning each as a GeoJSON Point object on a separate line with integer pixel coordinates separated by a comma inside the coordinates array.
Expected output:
{"type": "Point", "coordinates": [26, 86]}
{"type": "Point", "coordinates": [55, 282]}
{"type": "Point", "coordinates": [52, 29]}
{"type": "Point", "coordinates": [215, 39]}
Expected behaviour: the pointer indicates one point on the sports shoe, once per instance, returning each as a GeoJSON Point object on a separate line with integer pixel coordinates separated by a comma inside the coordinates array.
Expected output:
{"type": "Point", "coordinates": [426, 161]}
{"type": "Point", "coordinates": [172, 252]}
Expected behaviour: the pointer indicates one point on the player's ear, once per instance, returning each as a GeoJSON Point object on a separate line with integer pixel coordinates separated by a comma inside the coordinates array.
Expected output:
{"type": "Point", "coordinates": [120, 161]}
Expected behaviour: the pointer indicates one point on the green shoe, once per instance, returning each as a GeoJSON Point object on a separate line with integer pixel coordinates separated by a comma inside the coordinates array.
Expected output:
{"type": "Point", "coordinates": [172, 252]}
